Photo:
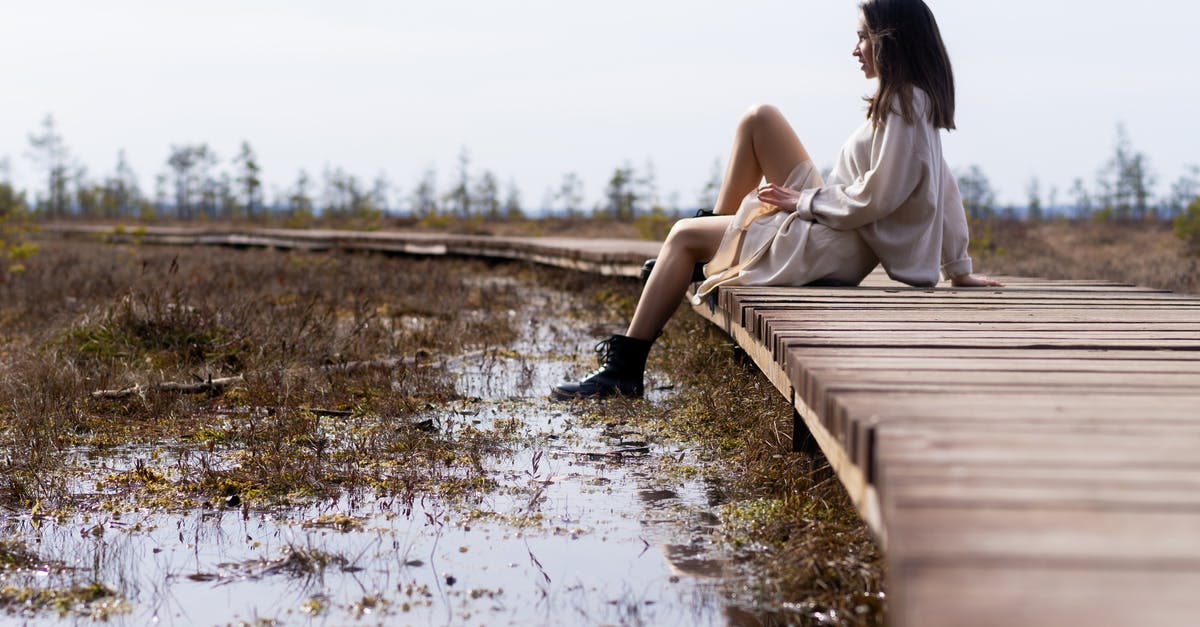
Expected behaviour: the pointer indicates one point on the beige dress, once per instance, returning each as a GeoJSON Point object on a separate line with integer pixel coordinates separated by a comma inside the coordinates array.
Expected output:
{"type": "Point", "coordinates": [890, 199]}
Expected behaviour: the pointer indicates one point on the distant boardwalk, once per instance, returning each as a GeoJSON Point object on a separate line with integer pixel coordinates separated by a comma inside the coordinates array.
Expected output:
{"type": "Point", "coordinates": [619, 257]}
{"type": "Point", "coordinates": [1028, 455]}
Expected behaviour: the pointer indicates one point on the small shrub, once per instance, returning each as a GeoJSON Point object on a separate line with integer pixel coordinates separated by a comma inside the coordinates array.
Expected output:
{"type": "Point", "coordinates": [1187, 226]}
{"type": "Point", "coordinates": [14, 215]}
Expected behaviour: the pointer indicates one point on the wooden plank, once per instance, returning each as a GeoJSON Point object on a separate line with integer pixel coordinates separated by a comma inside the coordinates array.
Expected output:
{"type": "Point", "coordinates": [1096, 493]}
{"type": "Point", "coordinates": [1008, 407]}
{"type": "Point", "coordinates": [1103, 315]}
{"type": "Point", "coordinates": [1019, 328]}
{"type": "Point", "coordinates": [1036, 595]}
{"type": "Point", "coordinates": [789, 341]}
{"type": "Point", "coordinates": [858, 414]}
{"type": "Point", "coordinates": [970, 406]}
{"type": "Point", "coordinates": [1004, 295]}
{"type": "Point", "coordinates": [939, 366]}
{"type": "Point", "coordinates": [1081, 537]}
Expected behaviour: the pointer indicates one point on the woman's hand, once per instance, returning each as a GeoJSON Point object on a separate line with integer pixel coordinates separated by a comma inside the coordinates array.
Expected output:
{"type": "Point", "coordinates": [783, 197]}
{"type": "Point", "coordinates": [971, 280]}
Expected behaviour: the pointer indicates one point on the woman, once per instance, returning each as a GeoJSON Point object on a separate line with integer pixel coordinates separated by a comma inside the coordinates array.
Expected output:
{"type": "Point", "coordinates": [890, 200]}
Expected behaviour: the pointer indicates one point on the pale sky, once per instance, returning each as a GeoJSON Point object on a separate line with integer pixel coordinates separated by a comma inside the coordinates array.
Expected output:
{"type": "Point", "coordinates": [537, 88]}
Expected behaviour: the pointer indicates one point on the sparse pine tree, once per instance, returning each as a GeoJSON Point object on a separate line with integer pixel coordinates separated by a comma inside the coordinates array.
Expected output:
{"type": "Point", "coordinates": [569, 196]}
{"type": "Point", "coordinates": [712, 187]}
{"type": "Point", "coordinates": [646, 190]}
{"type": "Point", "coordinates": [620, 196]}
{"type": "Point", "coordinates": [424, 197]}
{"type": "Point", "coordinates": [190, 165]}
{"type": "Point", "coordinates": [978, 198]}
{"type": "Point", "coordinates": [88, 196]}
{"type": "Point", "coordinates": [249, 180]}
{"type": "Point", "coordinates": [512, 202]}
{"type": "Point", "coordinates": [48, 150]}
{"type": "Point", "coordinates": [299, 199]}
{"type": "Point", "coordinates": [1033, 192]}
{"type": "Point", "coordinates": [458, 199]}
{"type": "Point", "coordinates": [122, 197]}
{"type": "Point", "coordinates": [1083, 199]}
{"type": "Point", "coordinates": [486, 196]}
{"type": "Point", "coordinates": [227, 201]}
{"type": "Point", "coordinates": [1125, 181]}
{"type": "Point", "coordinates": [381, 190]}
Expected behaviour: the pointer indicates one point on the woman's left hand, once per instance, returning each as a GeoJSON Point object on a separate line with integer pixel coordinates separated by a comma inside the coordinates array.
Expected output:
{"type": "Point", "coordinates": [971, 280]}
{"type": "Point", "coordinates": [783, 197]}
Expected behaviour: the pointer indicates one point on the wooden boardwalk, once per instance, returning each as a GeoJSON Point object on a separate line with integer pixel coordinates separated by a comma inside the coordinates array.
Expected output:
{"type": "Point", "coordinates": [1028, 455]}
{"type": "Point", "coordinates": [614, 257]}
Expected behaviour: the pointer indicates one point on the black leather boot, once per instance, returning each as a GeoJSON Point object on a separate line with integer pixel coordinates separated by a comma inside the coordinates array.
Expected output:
{"type": "Point", "coordinates": [622, 364]}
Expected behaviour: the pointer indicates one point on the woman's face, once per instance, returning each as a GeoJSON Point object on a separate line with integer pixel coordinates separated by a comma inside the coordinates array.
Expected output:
{"type": "Point", "coordinates": [864, 50]}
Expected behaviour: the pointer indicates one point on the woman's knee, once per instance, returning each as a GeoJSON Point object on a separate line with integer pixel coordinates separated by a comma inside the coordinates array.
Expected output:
{"type": "Point", "coordinates": [761, 114]}
{"type": "Point", "coordinates": [693, 236]}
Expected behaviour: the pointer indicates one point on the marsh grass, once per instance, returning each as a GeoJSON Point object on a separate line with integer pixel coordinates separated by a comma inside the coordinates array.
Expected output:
{"type": "Point", "coordinates": [89, 317]}
{"type": "Point", "coordinates": [1141, 253]}
{"type": "Point", "coordinates": [300, 429]}
{"type": "Point", "coordinates": [19, 563]}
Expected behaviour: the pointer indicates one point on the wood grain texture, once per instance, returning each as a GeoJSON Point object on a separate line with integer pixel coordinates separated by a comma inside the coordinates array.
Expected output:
{"type": "Point", "coordinates": [1033, 451]}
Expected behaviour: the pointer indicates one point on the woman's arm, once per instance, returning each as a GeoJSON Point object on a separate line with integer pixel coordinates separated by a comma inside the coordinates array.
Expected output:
{"type": "Point", "coordinates": [956, 236]}
{"type": "Point", "coordinates": [898, 164]}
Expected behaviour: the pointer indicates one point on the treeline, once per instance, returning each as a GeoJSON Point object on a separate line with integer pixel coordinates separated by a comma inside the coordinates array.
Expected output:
{"type": "Point", "coordinates": [1123, 190]}
{"type": "Point", "coordinates": [196, 183]}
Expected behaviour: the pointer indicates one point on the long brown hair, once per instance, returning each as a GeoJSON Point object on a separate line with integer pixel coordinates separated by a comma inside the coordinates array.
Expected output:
{"type": "Point", "coordinates": [908, 51]}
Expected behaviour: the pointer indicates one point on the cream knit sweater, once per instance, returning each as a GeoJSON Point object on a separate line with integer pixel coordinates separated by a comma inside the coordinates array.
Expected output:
{"type": "Point", "coordinates": [893, 187]}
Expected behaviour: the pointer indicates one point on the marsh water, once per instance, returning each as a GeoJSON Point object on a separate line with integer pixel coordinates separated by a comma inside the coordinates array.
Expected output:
{"type": "Point", "coordinates": [585, 522]}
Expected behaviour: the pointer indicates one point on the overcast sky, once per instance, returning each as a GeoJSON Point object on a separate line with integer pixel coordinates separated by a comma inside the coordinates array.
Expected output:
{"type": "Point", "coordinates": [537, 88]}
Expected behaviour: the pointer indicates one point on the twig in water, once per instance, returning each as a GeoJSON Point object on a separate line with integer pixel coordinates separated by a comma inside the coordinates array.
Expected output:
{"type": "Point", "coordinates": [210, 385]}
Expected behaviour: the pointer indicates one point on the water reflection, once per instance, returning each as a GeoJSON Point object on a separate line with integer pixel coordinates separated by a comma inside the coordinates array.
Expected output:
{"type": "Point", "coordinates": [579, 530]}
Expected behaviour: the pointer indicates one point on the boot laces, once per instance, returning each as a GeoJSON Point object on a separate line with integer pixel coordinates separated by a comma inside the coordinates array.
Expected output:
{"type": "Point", "coordinates": [603, 350]}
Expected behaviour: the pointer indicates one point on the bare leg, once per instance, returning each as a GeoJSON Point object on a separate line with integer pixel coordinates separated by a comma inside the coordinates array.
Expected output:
{"type": "Point", "coordinates": [690, 241]}
{"type": "Point", "coordinates": [764, 145]}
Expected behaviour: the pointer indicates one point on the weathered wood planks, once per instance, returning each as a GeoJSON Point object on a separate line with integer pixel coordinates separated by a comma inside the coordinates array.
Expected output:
{"type": "Point", "coordinates": [1030, 455]}
{"type": "Point", "coordinates": [616, 257]}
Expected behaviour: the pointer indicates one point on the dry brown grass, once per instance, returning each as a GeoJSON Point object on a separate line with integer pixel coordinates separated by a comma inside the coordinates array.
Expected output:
{"type": "Point", "coordinates": [1139, 253]}
{"type": "Point", "coordinates": [87, 317]}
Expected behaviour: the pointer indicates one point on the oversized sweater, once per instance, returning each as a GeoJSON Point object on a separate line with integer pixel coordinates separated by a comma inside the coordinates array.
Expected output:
{"type": "Point", "coordinates": [890, 199]}
{"type": "Point", "coordinates": [892, 185]}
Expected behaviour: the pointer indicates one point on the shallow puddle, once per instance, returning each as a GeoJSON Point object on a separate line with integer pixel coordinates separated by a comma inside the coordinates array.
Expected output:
{"type": "Point", "coordinates": [585, 526]}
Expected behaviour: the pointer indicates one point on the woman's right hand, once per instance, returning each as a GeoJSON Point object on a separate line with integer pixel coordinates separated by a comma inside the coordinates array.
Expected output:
{"type": "Point", "coordinates": [785, 198]}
